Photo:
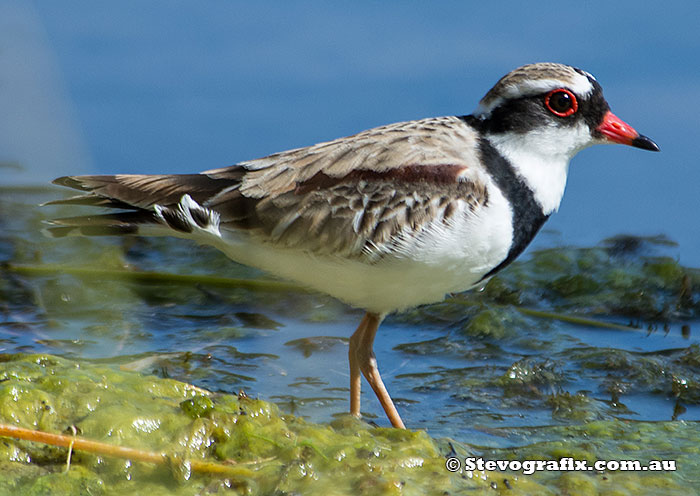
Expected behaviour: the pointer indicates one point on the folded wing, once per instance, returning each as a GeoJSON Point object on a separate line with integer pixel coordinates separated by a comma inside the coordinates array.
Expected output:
{"type": "Point", "coordinates": [354, 197]}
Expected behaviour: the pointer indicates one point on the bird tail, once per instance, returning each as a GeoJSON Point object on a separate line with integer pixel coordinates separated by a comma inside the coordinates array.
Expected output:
{"type": "Point", "coordinates": [166, 202]}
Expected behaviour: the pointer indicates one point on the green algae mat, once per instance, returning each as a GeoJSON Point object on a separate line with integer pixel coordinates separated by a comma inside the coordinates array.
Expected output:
{"type": "Point", "coordinates": [152, 366]}
{"type": "Point", "coordinates": [269, 453]}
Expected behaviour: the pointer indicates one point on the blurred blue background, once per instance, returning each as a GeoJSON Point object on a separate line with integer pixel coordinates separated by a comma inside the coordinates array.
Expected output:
{"type": "Point", "coordinates": [174, 86]}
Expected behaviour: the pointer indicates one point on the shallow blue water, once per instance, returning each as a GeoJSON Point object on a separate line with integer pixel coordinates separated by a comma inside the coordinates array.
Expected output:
{"type": "Point", "coordinates": [291, 347]}
{"type": "Point", "coordinates": [172, 87]}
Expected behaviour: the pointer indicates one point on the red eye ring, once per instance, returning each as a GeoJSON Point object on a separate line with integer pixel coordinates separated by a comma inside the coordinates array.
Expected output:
{"type": "Point", "coordinates": [561, 102]}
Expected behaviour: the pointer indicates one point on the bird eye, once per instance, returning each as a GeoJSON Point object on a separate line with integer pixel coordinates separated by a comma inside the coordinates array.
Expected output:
{"type": "Point", "coordinates": [561, 102]}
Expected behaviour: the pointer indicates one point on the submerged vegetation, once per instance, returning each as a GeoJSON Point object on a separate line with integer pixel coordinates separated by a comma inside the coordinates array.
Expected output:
{"type": "Point", "coordinates": [573, 352]}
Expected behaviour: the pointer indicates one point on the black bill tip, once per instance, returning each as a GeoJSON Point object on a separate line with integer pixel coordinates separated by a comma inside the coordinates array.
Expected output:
{"type": "Point", "coordinates": [645, 144]}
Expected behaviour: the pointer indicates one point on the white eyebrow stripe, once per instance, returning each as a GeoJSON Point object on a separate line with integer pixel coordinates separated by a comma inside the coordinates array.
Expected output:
{"type": "Point", "coordinates": [580, 85]}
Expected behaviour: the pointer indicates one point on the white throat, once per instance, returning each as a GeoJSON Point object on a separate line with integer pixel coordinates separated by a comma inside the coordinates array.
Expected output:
{"type": "Point", "coordinates": [541, 157]}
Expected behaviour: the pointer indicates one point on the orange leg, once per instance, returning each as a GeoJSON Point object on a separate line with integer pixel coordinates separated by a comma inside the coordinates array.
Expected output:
{"type": "Point", "coordinates": [355, 377]}
{"type": "Point", "coordinates": [362, 359]}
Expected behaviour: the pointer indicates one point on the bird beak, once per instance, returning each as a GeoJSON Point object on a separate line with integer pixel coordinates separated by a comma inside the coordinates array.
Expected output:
{"type": "Point", "coordinates": [615, 130]}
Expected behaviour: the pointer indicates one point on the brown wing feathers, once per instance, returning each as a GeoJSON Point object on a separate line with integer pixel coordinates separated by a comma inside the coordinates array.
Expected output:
{"type": "Point", "coordinates": [362, 212]}
{"type": "Point", "coordinates": [347, 197]}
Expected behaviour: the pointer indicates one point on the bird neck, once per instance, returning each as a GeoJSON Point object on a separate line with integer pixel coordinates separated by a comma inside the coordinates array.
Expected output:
{"type": "Point", "coordinates": [541, 167]}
